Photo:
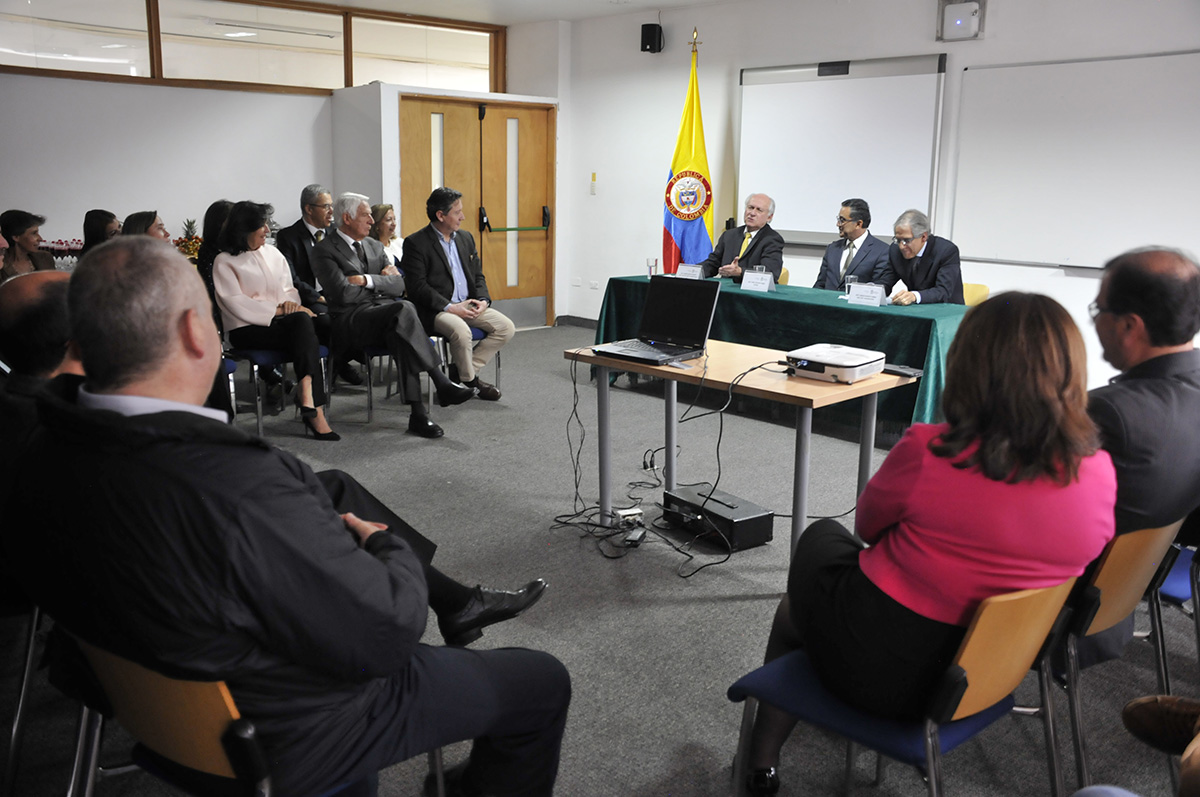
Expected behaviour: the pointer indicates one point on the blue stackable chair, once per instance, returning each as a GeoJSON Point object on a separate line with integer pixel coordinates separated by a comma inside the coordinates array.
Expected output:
{"type": "Point", "coordinates": [1008, 635]}
{"type": "Point", "coordinates": [476, 335]}
{"type": "Point", "coordinates": [271, 358]}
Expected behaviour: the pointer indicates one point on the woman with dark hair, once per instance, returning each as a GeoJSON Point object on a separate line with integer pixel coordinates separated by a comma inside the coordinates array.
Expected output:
{"type": "Point", "coordinates": [21, 230]}
{"type": "Point", "coordinates": [1011, 493]}
{"type": "Point", "coordinates": [98, 227]}
{"type": "Point", "coordinates": [261, 307]}
{"type": "Point", "coordinates": [145, 222]}
{"type": "Point", "coordinates": [210, 246]}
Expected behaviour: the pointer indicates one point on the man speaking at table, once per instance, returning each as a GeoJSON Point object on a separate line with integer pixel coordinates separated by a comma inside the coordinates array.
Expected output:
{"type": "Point", "coordinates": [928, 264]}
{"type": "Point", "coordinates": [856, 253]}
{"type": "Point", "coordinates": [752, 244]}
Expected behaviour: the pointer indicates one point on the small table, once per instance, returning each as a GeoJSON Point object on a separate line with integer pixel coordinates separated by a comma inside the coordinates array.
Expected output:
{"type": "Point", "coordinates": [795, 316]}
{"type": "Point", "coordinates": [718, 369]}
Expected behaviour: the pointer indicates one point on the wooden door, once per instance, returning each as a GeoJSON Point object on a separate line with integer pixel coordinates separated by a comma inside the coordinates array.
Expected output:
{"type": "Point", "coordinates": [502, 162]}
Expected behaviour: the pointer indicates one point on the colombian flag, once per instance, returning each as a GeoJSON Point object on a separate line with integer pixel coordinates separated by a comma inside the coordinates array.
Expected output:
{"type": "Point", "coordinates": [687, 211]}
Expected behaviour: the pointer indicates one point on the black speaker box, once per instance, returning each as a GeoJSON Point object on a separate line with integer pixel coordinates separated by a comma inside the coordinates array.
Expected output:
{"type": "Point", "coordinates": [652, 38]}
{"type": "Point", "coordinates": [742, 524]}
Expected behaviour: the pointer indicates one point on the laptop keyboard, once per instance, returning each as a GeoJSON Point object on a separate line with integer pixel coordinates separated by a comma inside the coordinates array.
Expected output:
{"type": "Point", "coordinates": [662, 348]}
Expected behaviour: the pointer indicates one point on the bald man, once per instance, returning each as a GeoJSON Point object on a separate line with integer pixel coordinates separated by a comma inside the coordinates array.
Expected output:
{"type": "Point", "coordinates": [752, 244]}
{"type": "Point", "coordinates": [194, 548]}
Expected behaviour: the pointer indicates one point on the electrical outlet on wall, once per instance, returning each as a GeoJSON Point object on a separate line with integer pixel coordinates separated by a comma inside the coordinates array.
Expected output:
{"type": "Point", "coordinates": [594, 285]}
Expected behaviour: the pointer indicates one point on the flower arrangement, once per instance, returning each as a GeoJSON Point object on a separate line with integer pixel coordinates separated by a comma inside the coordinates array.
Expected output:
{"type": "Point", "coordinates": [62, 248]}
{"type": "Point", "coordinates": [189, 244]}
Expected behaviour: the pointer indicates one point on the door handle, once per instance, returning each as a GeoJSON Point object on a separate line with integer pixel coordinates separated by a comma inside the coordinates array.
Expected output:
{"type": "Point", "coordinates": [484, 222]}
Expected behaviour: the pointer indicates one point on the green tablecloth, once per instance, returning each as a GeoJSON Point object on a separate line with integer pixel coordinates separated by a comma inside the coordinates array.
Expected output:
{"type": "Point", "coordinates": [917, 335]}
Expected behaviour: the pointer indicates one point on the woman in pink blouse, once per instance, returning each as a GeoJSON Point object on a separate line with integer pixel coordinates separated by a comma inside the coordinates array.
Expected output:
{"type": "Point", "coordinates": [1011, 493]}
{"type": "Point", "coordinates": [260, 307]}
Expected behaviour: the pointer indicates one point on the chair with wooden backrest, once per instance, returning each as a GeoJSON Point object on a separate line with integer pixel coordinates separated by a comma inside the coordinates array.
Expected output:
{"type": "Point", "coordinates": [974, 293]}
{"type": "Point", "coordinates": [1118, 580]}
{"type": "Point", "coordinates": [189, 733]}
{"type": "Point", "coordinates": [1007, 636]}
{"type": "Point", "coordinates": [1179, 586]}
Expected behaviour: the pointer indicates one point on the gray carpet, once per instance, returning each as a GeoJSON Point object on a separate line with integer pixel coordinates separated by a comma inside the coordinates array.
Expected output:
{"type": "Point", "coordinates": [650, 653]}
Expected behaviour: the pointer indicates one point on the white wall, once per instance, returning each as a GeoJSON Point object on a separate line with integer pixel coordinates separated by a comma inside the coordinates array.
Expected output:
{"type": "Point", "coordinates": [624, 116]}
{"type": "Point", "coordinates": [67, 146]}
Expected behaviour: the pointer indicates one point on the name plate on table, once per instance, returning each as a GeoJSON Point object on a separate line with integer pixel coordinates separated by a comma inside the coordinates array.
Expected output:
{"type": "Point", "coordinates": [689, 272]}
{"type": "Point", "coordinates": [761, 281]}
{"type": "Point", "coordinates": [866, 293]}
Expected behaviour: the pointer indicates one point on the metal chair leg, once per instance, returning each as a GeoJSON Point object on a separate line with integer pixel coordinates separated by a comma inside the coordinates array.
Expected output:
{"type": "Point", "coordinates": [370, 390]}
{"type": "Point", "coordinates": [87, 753]}
{"type": "Point", "coordinates": [933, 759]}
{"type": "Point", "coordinates": [258, 405]}
{"type": "Point", "coordinates": [1194, 571]}
{"type": "Point", "coordinates": [1083, 778]}
{"type": "Point", "coordinates": [1053, 762]}
{"type": "Point", "coordinates": [18, 725]}
{"type": "Point", "coordinates": [741, 757]}
{"type": "Point", "coordinates": [439, 774]}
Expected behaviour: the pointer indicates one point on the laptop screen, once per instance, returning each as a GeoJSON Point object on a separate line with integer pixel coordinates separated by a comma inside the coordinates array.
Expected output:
{"type": "Point", "coordinates": [678, 311]}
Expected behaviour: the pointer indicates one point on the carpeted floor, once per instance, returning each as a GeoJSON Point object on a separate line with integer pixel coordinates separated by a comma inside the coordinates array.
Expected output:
{"type": "Point", "coordinates": [651, 652]}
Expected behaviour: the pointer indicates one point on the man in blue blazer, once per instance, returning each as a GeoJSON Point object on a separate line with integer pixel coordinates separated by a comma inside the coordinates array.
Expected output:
{"type": "Point", "coordinates": [856, 252]}
{"type": "Point", "coordinates": [752, 244]}
{"type": "Point", "coordinates": [929, 265]}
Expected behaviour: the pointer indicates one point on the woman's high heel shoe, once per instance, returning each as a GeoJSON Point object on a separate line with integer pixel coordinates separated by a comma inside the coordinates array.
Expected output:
{"type": "Point", "coordinates": [763, 782]}
{"type": "Point", "coordinates": [309, 426]}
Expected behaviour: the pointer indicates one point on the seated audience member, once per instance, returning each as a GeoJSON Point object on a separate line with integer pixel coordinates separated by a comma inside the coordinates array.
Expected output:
{"type": "Point", "coordinates": [260, 308]}
{"type": "Point", "coordinates": [752, 244]}
{"type": "Point", "coordinates": [856, 253]}
{"type": "Point", "coordinates": [145, 222]}
{"type": "Point", "coordinates": [197, 550]}
{"type": "Point", "coordinates": [98, 227]}
{"type": "Point", "coordinates": [21, 234]}
{"type": "Point", "coordinates": [210, 247]}
{"type": "Point", "coordinates": [1146, 314]}
{"type": "Point", "coordinates": [928, 264]}
{"type": "Point", "coordinates": [1011, 493]}
{"type": "Point", "coordinates": [384, 231]}
{"type": "Point", "coordinates": [364, 291]}
{"type": "Point", "coordinates": [447, 285]}
{"type": "Point", "coordinates": [296, 243]}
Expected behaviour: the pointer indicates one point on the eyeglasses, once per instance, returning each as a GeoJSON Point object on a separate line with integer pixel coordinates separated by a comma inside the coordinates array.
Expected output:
{"type": "Point", "coordinates": [326, 206]}
{"type": "Point", "coordinates": [904, 241]}
{"type": "Point", "coordinates": [1095, 311]}
{"type": "Point", "coordinates": [842, 220]}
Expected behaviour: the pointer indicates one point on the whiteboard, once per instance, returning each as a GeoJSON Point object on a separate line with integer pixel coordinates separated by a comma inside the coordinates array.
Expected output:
{"type": "Point", "coordinates": [1072, 163]}
{"type": "Point", "coordinates": [811, 139]}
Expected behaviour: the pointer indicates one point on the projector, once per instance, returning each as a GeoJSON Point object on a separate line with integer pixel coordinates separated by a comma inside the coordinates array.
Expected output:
{"type": "Point", "coordinates": [830, 362]}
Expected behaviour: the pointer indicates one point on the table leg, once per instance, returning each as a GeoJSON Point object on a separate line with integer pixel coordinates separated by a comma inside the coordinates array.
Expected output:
{"type": "Point", "coordinates": [800, 478]}
{"type": "Point", "coordinates": [604, 444]}
{"type": "Point", "coordinates": [669, 429]}
{"type": "Point", "coordinates": [866, 440]}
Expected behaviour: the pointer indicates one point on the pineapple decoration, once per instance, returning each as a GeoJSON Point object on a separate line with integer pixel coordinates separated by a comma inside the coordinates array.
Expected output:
{"type": "Point", "coordinates": [189, 244]}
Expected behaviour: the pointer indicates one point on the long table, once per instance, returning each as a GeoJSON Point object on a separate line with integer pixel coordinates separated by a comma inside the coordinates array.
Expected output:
{"type": "Point", "coordinates": [916, 335]}
{"type": "Point", "coordinates": [721, 367]}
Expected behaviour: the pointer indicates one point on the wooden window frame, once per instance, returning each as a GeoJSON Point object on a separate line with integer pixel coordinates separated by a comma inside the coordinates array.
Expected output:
{"type": "Point", "coordinates": [497, 38]}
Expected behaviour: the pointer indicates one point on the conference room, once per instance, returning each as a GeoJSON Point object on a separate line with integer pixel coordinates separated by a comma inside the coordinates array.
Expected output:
{"type": "Point", "coordinates": [651, 654]}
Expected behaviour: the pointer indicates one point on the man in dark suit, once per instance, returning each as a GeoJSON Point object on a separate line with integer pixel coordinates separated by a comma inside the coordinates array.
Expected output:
{"type": "Point", "coordinates": [198, 550]}
{"type": "Point", "coordinates": [446, 283]}
{"type": "Point", "coordinates": [856, 253]}
{"type": "Point", "coordinates": [1146, 314]}
{"type": "Point", "coordinates": [364, 289]}
{"type": "Point", "coordinates": [296, 243]}
{"type": "Point", "coordinates": [752, 244]}
{"type": "Point", "coordinates": [928, 264]}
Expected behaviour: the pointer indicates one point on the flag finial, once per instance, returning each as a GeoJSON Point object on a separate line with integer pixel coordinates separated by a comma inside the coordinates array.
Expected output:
{"type": "Point", "coordinates": [695, 33]}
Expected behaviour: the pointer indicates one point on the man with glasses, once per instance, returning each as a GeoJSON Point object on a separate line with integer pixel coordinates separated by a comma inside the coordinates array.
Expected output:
{"type": "Point", "coordinates": [752, 244]}
{"type": "Point", "coordinates": [928, 265]}
{"type": "Point", "coordinates": [296, 243]}
{"type": "Point", "coordinates": [856, 253]}
{"type": "Point", "coordinates": [1146, 314]}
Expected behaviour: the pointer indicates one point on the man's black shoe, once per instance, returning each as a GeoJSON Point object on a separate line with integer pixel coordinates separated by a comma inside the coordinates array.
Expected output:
{"type": "Point", "coordinates": [454, 393]}
{"type": "Point", "coordinates": [423, 427]}
{"type": "Point", "coordinates": [349, 374]}
{"type": "Point", "coordinates": [487, 607]}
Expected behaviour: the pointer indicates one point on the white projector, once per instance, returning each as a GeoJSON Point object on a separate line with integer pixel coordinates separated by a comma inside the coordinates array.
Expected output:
{"type": "Point", "coordinates": [830, 362]}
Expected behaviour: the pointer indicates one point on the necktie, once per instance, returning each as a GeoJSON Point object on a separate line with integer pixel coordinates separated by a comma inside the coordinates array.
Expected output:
{"type": "Point", "coordinates": [849, 257]}
{"type": "Point", "coordinates": [745, 243]}
{"type": "Point", "coordinates": [358, 250]}
{"type": "Point", "coordinates": [319, 236]}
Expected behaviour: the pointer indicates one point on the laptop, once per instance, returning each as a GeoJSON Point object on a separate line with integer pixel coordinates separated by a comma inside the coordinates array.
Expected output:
{"type": "Point", "coordinates": [676, 318]}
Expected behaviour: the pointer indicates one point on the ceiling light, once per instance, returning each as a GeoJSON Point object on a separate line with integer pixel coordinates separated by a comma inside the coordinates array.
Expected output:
{"type": "Point", "coordinates": [241, 34]}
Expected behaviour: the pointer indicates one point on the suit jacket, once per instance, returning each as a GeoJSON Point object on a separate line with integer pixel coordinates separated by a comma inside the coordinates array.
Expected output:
{"type": "Point", "coordinates": [296, 243]}
{"type": "Point", "coordinates": [430, 281]}
{"type": "Point", "coordinates": [937, 274]}
{"type": "Point", "coordinates": [1149, 419]}
{"type": "Point", "coordinates": [869, 265]}
{"type": "Point", "coordinates": [766, 249]}
{"type": "Point", "coordinates": [333, 261]}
